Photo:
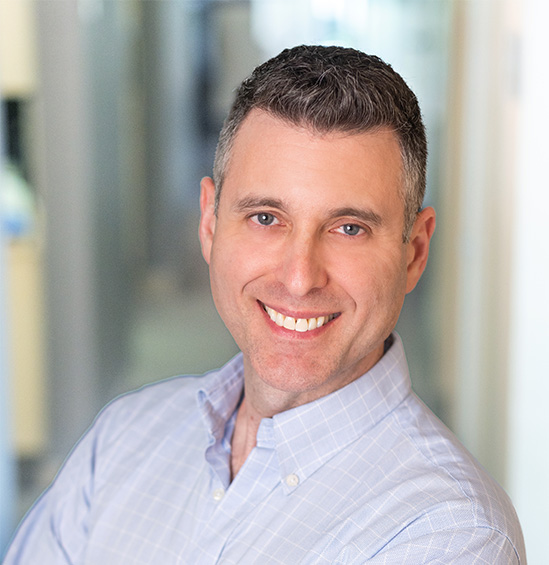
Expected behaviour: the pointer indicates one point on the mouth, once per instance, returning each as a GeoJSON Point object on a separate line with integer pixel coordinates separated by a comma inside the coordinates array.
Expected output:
{"type": "Point", "coordinates": [298, 324]}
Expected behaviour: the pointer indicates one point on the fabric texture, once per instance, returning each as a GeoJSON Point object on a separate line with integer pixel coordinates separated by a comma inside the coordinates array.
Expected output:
{"type": "Point", "coordinates": [366, 474]}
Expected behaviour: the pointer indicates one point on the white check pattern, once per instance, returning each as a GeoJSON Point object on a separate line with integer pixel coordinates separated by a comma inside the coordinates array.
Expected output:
{"type": "Point", "coordinates": [366, 474]}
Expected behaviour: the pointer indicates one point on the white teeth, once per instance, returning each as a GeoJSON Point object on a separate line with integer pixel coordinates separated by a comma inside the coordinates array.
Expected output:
{"type": "Point", "coordinates": [289, 323]}
{"type": "Point", "coordinates": [299, 324]}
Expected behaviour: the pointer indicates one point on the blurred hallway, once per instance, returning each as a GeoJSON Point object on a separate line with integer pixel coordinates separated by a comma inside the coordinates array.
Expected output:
{"type": "Point", "coordinates": [114, 109]}
{"type": "Point", "coordinates": [173, 333]}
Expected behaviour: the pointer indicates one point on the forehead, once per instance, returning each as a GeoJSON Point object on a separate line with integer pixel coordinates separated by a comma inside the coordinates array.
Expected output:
{"type": "Point", "coordinates": [269, 154]}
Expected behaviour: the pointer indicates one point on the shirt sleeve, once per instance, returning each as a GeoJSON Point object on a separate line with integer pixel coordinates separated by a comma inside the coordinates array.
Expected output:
{"type": "Point", "coordinates": [55, 529]}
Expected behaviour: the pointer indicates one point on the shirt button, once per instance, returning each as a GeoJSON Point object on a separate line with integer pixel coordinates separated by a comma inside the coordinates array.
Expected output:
{"type": "Point", "coordinates": [218, 494]}
{"type": "Point", "coordinates": [292, 480]}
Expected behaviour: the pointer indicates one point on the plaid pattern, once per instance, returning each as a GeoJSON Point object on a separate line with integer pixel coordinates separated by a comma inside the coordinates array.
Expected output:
{"type": "Point", "coordinates": [366, 474]}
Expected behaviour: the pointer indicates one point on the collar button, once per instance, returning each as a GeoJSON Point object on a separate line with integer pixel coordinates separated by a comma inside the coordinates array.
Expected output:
{"type": "Point", "coordinates": [292, 480]}
{"type": "Point", "coordinates": [218, 494]}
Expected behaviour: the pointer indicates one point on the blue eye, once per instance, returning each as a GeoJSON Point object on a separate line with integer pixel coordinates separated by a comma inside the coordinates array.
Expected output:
{"type": "Point", "coordinates": [264, 219]}
{"type": "Point", "coordinates": [351, 229]}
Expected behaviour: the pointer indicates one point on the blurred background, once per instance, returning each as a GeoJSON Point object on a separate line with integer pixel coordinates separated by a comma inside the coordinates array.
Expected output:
{"type": "Point", "coordinates": [110, 113]}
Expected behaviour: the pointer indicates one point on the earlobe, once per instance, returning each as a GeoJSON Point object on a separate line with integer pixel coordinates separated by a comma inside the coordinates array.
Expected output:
{"type": "Point", "coordinates": [206, 228]}
{"type": "Point", "coordinates": [418, 246]}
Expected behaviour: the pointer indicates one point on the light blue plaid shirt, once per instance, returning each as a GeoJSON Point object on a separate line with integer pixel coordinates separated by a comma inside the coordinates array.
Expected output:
{"type": "Point", "coordinates": [364, 474]}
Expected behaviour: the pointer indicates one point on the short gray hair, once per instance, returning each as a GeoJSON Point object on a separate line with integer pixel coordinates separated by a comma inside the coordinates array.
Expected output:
{"type": "Point", "coordinates": [334, 89]}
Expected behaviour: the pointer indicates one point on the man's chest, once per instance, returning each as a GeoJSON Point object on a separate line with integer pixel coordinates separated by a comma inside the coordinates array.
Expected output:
{"type": "Point", "coordinates": [175, 513]}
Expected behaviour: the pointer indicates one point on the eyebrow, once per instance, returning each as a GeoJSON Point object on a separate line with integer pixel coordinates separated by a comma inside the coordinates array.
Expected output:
{"type": "Point", "coordinates": [252, 203]}
{"type": "Point", "coordinates": [367, 216]}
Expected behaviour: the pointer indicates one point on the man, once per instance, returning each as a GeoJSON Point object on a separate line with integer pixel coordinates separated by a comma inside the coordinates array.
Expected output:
{"type": "Point", "coordinates": [309, 446]}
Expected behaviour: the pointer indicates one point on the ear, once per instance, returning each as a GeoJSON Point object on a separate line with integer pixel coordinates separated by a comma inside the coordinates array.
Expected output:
{"type": "Point", "coordinates": [206, 228]}
{"type": "Point", "coordinates": [418, 246]}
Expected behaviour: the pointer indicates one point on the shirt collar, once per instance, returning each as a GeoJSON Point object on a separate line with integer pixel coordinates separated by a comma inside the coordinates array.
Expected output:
{"type": "Point", "coordinates": [309, 435]}
{"type": "Point", "coordinates": [220, 395]}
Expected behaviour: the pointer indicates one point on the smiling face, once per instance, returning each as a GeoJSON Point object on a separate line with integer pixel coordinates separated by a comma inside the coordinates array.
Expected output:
{"type": "Point", "coordinates": [307, 264]}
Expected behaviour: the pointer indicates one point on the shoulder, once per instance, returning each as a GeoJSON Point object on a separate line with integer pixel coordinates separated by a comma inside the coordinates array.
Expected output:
{"type": "Point", "coordinates": [158, 409]}
{"type": "Point", "coordinates": [148, 402]}
{"type": "Point", "coordinates": [415, 494]}
{"type": "Point", "coordinates": [129, 442]}
{"type": "Point", "coordinates": [129, 428]}
{"type": "Point", "coordinates": [455, 493]}
{"type": "Point", "coordinates": [138, 420]}
{"type": "Point", "coordinates": [151, 407]}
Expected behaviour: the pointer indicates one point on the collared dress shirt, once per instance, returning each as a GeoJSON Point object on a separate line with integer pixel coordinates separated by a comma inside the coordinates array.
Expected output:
{"type": "Point", "coordinates": [365, 474]}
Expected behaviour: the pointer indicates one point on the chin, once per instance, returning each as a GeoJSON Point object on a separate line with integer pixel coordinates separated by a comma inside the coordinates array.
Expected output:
{"type": "Point", "coordinates": [292, 375]}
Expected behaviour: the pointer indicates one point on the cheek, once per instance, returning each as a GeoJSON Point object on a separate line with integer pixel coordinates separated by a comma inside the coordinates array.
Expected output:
{"type": "Point", "coordinates": [379, 280]}
{"type": "Point", "coordinates": [233, 265]}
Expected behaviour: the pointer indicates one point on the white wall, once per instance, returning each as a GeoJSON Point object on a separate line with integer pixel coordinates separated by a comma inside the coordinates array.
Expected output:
{"type": "Point", "coordinates": [528, 453]}
{"type": "Point", "coordinates": [475, 213]}
{"type": "Point", "coordinates": [496, 264]}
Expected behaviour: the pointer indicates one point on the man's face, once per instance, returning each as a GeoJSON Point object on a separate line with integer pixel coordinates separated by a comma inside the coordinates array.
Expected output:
{"type": "Point", "coordinates": [307, 264]}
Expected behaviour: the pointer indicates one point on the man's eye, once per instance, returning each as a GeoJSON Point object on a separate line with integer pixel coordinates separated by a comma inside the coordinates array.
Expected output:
{"type": "Point", "coordinates": [351, 229]}
{"type": "Point", "coordinates": [264, 219]}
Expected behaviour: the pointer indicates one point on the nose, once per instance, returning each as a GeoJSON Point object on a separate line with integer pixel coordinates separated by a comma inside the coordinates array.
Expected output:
{"type": "Point", "coordinates": [302, 268]}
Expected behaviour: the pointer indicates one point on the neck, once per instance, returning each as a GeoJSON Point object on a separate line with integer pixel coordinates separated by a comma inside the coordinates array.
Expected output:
{"type": "Point", "coordinates": [244, 435]}
{"type": "Point", "coordinates": [263, 401]}
{"type": "Point", "coordinates": [257, 404]}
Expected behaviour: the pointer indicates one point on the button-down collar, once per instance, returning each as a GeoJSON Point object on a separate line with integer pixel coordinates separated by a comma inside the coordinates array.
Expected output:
{"type": "Point", "coordinates": [307, 436]}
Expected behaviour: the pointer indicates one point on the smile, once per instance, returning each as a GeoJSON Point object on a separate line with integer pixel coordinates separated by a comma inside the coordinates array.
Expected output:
{"type": "Point", "coordinates": [298, 324]}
